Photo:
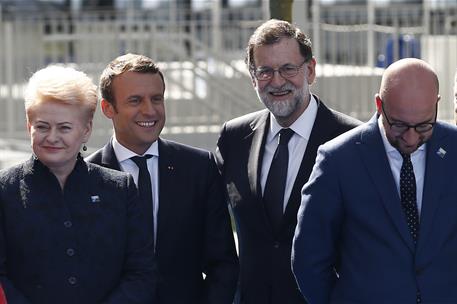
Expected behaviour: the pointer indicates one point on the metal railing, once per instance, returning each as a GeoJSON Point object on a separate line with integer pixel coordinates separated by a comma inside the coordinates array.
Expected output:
{"type": "Point", "coordinates": [201, 55]}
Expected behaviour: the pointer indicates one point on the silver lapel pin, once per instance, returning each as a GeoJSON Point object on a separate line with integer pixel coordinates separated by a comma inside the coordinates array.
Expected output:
{"type": "Point", "coordinates": [95, 199]}
{"type": "Point", "coordinates": [441, 152]}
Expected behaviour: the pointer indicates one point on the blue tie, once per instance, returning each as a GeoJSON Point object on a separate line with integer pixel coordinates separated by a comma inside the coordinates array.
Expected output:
{"type": "Point", "coordinates": [144, 186]}
{"type": "Point", "coordinates": [273, 195]}
{"type": "Point", "coordinates": [408, 196]}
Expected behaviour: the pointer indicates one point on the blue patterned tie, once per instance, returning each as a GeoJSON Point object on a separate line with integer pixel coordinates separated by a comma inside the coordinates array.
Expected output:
{"type": "Point", "coordinates": [408, 196]}
{"type": "Point", "coordinates": [275, 185]}
{"type": "Point", "coordinates": [144, 185]}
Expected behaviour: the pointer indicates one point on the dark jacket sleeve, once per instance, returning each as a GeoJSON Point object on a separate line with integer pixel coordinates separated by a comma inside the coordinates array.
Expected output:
{"type": "Point", "coordinates": [11, 293]}
{"type": "Point", "coordinates": [137, 284]}
{"type": "Point", "coordinates": [320, 208]}
{"type": "Point", "coordinates": [221, 261]}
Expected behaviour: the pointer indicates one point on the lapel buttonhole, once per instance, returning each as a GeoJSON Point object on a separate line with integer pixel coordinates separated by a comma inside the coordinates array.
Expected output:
{"type": "Point", "coordinates": [95, 199]}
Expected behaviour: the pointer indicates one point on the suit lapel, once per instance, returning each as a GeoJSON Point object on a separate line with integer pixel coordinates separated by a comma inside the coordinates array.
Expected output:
{"type": "Point", "coordinates": [109, 158]}
{"type": "Point", "coordinates": [372, 152]}
{"type": "Point", "coordinates": [166, 190]}
{"type": "Point", "coordinates": [259, 132]}
{"type": "Point", "coordinates": [323, 127]}
{"type": "Point", "coordinates": [435, 175]}
{"type": "Point", "coordinates": [257, 148]}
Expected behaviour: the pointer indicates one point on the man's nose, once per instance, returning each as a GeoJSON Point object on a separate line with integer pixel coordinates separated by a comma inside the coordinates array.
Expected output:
{"type": "Point", "coordinates": [147, 107]}
{"type": "Point", "coordinates": [277, 79]}
{"type": "Point", "coordinates": [411, 136]}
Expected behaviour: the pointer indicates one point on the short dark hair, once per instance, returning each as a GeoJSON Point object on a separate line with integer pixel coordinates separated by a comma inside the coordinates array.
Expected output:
{"type": "Point", "coordinates": [271, 32]}
{"type": "Point", "coordinates": [122, 64]}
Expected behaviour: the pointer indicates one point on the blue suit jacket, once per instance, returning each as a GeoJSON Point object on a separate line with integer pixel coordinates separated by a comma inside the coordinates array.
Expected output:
{"type": "Point", "coordinates": [85, 244]}
{"type": "Point", "coordinates": [350, 220]}
{"type": "Point", "coordinates": [194, 235]}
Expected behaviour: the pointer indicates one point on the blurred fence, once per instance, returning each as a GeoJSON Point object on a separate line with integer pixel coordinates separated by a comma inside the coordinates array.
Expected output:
{"type": "Point", "coordinates": [201, 55]}
{"type": "Point", "coordinates": [355, 44]}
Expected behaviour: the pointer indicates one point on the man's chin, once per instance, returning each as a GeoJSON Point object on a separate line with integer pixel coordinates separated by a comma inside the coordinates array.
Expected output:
{"type": "Point", "coordinates": [407, 149]}
{"type": "Point", "coordinates": [282, 114]}
{"type": "Point", "coordinates": [282, 111]}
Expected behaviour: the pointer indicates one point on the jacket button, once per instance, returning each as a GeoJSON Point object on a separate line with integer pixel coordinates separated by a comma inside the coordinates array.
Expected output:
{"type": "Point", "coordinates": [72, 280]}
{"type": "Point", "coordinates": [276, 245]}
{"type": "Point", "coordinates": [70, 252]}
{"type": "Point", "coordinates": [418, 297]}
{"type": "Point", "coordinates": [67, 224]}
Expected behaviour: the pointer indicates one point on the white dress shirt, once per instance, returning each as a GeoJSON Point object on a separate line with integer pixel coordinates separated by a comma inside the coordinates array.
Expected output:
{"type": "Point", "coordinates": [297, 146]}
{"type": "Point", "coordinates": [123, 155]}
{"type": "Point", "coordinates": [395, 161]}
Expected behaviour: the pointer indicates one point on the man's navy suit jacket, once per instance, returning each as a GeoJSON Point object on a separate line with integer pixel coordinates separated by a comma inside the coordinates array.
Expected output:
{"type": "Point", "coordinates": [83, 244]}
{"type": "Point", "coordinates": [265, 271]}
{"type": "Point", "coordinates": [194, 234]}
{"type": "Point", "coordinates": [351, 221]}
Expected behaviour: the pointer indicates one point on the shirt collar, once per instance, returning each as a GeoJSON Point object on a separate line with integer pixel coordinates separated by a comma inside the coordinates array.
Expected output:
{"type": "Point", "coordinates": [302, 126]}
{"type": "Point", "coordinates": [123, 153]}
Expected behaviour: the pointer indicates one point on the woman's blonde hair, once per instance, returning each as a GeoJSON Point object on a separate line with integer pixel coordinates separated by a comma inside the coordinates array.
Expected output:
{"type": "Point", "coordinates": [61, 84]}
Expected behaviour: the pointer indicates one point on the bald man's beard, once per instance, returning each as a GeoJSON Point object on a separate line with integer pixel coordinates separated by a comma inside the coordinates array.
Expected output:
{"type": "Point", "coordinates": [398, 144]}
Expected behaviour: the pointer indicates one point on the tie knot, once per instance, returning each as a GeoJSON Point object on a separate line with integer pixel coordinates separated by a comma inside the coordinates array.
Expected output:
{"type": "Point", "coordinates": [285, 135]}
{"type": "Point", "coordinates": [406, 157]}
{"type": "Point", "coordinates": [140, 161]}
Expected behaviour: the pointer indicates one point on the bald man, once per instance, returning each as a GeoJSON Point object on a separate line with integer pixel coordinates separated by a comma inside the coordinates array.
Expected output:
{"type": "Point", "coordinates": [378, 216]}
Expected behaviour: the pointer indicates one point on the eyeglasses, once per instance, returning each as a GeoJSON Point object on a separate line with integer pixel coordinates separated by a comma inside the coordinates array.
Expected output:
{"type": "Point", "coordinates": [401, 127]}
{"type": "Point", "coordinates": [286, 71]}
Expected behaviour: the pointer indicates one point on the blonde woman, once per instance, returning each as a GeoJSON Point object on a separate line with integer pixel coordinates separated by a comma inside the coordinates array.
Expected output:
{"type": "Point", "coordinates": [70, 232]}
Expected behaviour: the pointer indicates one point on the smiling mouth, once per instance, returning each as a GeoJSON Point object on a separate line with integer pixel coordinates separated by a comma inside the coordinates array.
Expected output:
{"type": "Point", "coordinates": [146, 124]}
{"type": "Point", "coordinates": [281, 93]}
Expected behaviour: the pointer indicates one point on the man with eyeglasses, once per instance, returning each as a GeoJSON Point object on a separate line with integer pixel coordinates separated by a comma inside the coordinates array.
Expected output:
{"type": "Point", "coordinates": [266, 157]}
{"type": "Point", "coordinates": [378, 218]}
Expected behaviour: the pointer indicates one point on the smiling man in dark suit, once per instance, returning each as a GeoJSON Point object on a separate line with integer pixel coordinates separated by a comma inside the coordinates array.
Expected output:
{"type": "Point", "coordinates": [194, 245]}
{"type": "Point", "coordinates": [266, 157]}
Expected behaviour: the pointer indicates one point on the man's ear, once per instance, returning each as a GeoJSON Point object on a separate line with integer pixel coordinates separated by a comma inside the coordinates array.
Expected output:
{"type": "Point", "coordinates": [107, 108]}
{"type": "Point", "coordinates": [378, 101]}
{"type": "Point", "coordinates": [311, 70]}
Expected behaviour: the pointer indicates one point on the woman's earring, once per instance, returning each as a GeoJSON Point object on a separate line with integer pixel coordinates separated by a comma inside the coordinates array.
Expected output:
{"type": "Point", "coordinates": [84, 148]}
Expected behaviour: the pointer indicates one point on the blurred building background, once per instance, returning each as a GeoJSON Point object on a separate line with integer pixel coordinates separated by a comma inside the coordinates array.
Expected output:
{"type": "Point", "coordinates": [200, 44]}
